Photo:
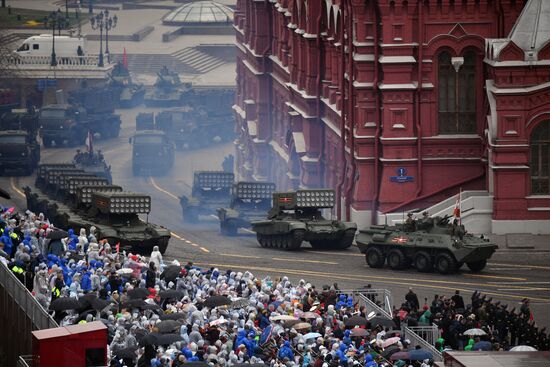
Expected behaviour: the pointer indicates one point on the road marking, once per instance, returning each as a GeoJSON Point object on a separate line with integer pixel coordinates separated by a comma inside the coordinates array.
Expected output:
{"type": "Point", "coordinates": [205, 249]}
{"type": "Point", "coordinates": [505, 269]}
{"type": "Point", "coordinates": [522, 266]}
{"type": "Point", "coordinates": [177, 236]}
{"type": "Point", "coordinates": [242, 256]}
{"type": "Point", "coordinates": [304, 261]}
{"type": "Point", "coordinates": [360, 278]}
{"type": "Point", "coordinates": [248, 230]}
{"type": "Point", "coordinates": [523, 289]}
{"type": "Point", "coordinates": [341, 253]}
{"type": "Point", "coordinates": [12, 184]}
{"type": "Point", "coordinates": [214, 216]}
{"type": "Point", "coordinates": [519, 283]}
{"type": "Point", "coordinates": [161, 189]}
{"type": "Point", "coordinates": [491, 277]}
{"type": "Point", "coordinates": [189, 242]}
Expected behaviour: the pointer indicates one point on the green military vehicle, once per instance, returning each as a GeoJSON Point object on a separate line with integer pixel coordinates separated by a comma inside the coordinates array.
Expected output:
{"type": "Point", "coordinates": [152, 151]}
{"type": "Point", "coordinates": [211, 191]}
{"type": "Point", "coordinates": [94, 163]}
{"type": "Point", "coordinates": [127, 93]}
{"type": "Point", "coordinates": [74, 201]}
{"type": "Point", "coordinates": [296, 216]}
{"type": "Point", "coordinates": [168, 90]}
{"type": "Point", "coordinates": [250, 202]}
{"type": "Point", "coordinates": [426, 244]}
{"type": "Point", "coordinates": [19, 148]}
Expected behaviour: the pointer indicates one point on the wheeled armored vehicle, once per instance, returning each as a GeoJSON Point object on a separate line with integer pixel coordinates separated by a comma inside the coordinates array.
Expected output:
{"type": "Point", "coordinates": [250, 202]}
{"type": "Point", "coordinates": [428, 244]}
{"type": "Point", "coordinates": [296, 216]}
{"type": "Point", "coordinates": [211, 191]}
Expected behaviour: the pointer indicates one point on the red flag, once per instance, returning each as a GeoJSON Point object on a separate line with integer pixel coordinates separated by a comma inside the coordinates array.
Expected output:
{"type": "Point", "coordinates": [125, 59]}
{"type": "Point", "coordinates": [456, 211]}
{"type": "Point", "coordinates": [118, 247]}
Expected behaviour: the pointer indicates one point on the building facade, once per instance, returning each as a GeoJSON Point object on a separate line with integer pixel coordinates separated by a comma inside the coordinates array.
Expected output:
{"type": "Point", "coordinates": [396, 104]}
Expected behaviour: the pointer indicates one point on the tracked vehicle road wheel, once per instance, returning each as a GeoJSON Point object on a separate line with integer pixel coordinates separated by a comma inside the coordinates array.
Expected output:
{"type": "Point", "coordinates": [375, 257]}
{"type": "Point", "coordinates": [423, 262]}
{"type": "Point", "coordinates": [446, 263]}
{"type": "Point", "coordinates": [261, 240]}
{"type": "Point", "coordinates": [346, 241]}
{"type": "Point", "coordinates": [477, 266]}
{"type": "Point", "coordinates": [295, 239]}
{"type": "Point", "coordinates": [396, 259]}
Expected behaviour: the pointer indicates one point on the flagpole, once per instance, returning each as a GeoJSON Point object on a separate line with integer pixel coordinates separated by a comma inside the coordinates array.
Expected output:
{"type": "Point", "coordinates": [460, 206]}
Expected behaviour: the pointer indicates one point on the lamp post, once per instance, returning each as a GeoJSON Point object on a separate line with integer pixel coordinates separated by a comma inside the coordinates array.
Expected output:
{"type": "Point", "coordinates": [110, 23]}
{"type": "Point", "coordinates": [67, 9]}
{"type": "Point", "coordinates": [97, 22]}
{"type": "Point", "coordinates": [55, 20]}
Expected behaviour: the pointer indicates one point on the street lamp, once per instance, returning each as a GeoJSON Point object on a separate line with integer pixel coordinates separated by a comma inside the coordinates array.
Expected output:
{"type": "Point", "coordinates": [55, 19]}
{"type": "Point", "coordinates": [110, 23]}
{"type": "Point", "coordinates": [97, 22]}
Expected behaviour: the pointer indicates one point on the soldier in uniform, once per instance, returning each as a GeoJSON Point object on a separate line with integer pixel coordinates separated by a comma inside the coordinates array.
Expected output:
{"type": "Point", "coordinates": [410, 223]}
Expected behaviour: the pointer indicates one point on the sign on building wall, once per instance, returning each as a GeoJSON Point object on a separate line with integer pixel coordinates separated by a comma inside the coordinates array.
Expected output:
{"type": "Point", "coordinates": [401, 176]}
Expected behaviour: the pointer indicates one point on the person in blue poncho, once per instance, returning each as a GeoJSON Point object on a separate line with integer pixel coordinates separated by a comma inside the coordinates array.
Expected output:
{"type": "Point", "coordinates": [286, 352]}
{"type": "Point", "coordinates": [341, 353]}
{"type": "Point", "coordinates": [369, 362]}
{"type": "Point", "coordinates": [341, 302]}
{"type": "Point", "coordinates": [86, 282]}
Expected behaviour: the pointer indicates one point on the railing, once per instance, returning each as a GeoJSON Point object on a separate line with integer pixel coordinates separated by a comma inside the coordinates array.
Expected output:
{"type": "Point", "coordinates": [63, 62]}
{"type": "Point", "coordinates": [418, 334]}
{"type": "Point", "coordinates": [378, 300]}
{"type": "Point", "coordinates": [25, 300]}
{"type": "Point", "coordinates": [24, 361]}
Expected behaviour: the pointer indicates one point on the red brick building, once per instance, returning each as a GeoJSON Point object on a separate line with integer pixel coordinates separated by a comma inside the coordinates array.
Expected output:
{"type": "Point", "coordinates": [398, 104]}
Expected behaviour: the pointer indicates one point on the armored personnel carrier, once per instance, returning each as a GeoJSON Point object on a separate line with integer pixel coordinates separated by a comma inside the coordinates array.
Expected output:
{"type": "Point", "coordinates": [93, 163]}
{"type": "Point", "coordinates": [428, 244]}
{"type": "Point", "coordinates": [250, 202]}
{"type": "Point", "coordinates": [19, 148]}
{"type": "Point", "coordinates": [151, 151]}
{"type": "Point", "coordinates": [71, 200]}
{"type": "Point", "coordinates": [127, 93]}
{"type": "Point", "coordinates": [296, 217]}
{"type": "Point", "coordinates": [167, 91]}
{"type": "Point", "coordinates": [211, 190]}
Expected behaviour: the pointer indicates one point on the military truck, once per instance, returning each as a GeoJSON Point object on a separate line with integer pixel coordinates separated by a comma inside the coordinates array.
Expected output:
{"type": "Point", "coordinates": [94, 163]}
{"type": "Point", "coordinates": [167, 91]}
{"type": "Point", "coordinates": [250, 202]}
{"type": "Point", "coordinates": [90, 201]}
{"type": "Point", "coordinates": [19, 148]}
{"type": "Point", "coordinates": [296, 216]}
{"type": "Point", "coordinates": [428, 244]}
{"type": "Point", "coordinates": [99, 104]}
{"type": "Point", "coordinates": [145, 121]}
{"type": "Point", "coordinates": [211, 190]}
{"type": "Point", "coordinates": [151, 151]}
{"type": "Point", "coordinates": [127, 93]}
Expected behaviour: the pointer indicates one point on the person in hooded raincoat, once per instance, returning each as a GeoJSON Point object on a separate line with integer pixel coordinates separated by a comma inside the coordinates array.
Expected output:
{"type": "Point", "coordinates": [286, 352]}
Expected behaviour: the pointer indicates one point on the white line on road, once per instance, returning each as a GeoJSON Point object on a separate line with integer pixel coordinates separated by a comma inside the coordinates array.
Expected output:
{"type": "Point", "coordinates": [519, 283]}
{"type": "Point", "coordinates": [205, 249]}
{"type": "Point", "coordinates": [523, 289]}
{"type": "Point", "coordinates": [12, 184]}
{"type": "Point", "coordinates": [304, 261]}
{"type": "Point", "coordinates": [161, 189]}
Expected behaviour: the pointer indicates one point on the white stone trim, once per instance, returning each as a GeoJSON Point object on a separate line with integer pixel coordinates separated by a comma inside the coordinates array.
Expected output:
{"type": "Point", "coordinates": [520, 226]}
{"type": "Point", "coordinates": [357, 84]}
{"type": "Point", "coordinates": [504, 91]}
{"type": "Point", "coordinates": [450, 136]}
{"type": "Point", "coordinates": [300, 111]}
{"type": "Point", "coordinates": [396, 59]}
{"type": "Point", "coordinates": [363, 57]}
{"type": "Point", "coordinates": [276, 60]}
{"type": "Point", "coordinates": [412, 138]}
{"type": "Point", "coordinates": [302, 92]}
{"type": "Point", "coordinates": [407, 86]}
{"type": "Point", "coordinates": [252, 68]}
{"type": "Point", "coordinates": [328, 123]}
{"type": "Point", "coordinates": [509, 167]}
{"type": "Point", "coordinates": [279, 150]}
{"type": "Point", "coordinates": [398, 159]}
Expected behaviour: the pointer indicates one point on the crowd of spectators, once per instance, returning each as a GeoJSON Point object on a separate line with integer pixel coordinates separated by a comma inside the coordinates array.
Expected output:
{"type": "Point", "coordinates": [162, 313]}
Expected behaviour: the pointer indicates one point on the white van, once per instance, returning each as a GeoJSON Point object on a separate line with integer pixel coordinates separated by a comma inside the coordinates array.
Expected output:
{"type": "Point", "coordinates": [41, 45]}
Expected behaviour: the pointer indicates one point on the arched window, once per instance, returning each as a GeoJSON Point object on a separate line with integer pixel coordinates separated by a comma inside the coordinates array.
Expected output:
{"type": "Point", "coordinates": [457, 94]}
{"type": "Point", "coordinates": [540, 157]}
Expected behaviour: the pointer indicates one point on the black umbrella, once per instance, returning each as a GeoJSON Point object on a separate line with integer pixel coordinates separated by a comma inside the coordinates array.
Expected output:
{"type": "Point", "coordinates": [57, 234]}
{"type": "Point", "coordinates": [249, 365]}
{"type": "Point", "coordinates": [4, 194]}
{"type": "Point", "coordinates": [216, 301]}
{"type": "Point", "coordinates": [150, 306]}
{"type": "Point", "coordinates": [148, 339]}
{"type": "Point", "coordinates": [389, 351]}
{"type": "Point", "coordinates": [86, 300]}
{"type": "Point", "coordinates": [99, 304]}
{"type": "Point", "coordinates": [166, 339]}
{"type": "Point", "coordinates": [126, 353]}
{"type": "Point", "coordinates": [382, 321]}
{"type": "Point", "coordinates": [173, 316]}
{"type": "Point", "coordinates": [355, 320]}
{"type": "Point", "coordinates": [138, 293]}
{"type": "Point", "coordinates": [168, 326]}
{"type": "Point", "coordinates": [134, 303]}
{"type": "Point", "coordinates": [171, 294]}
{"type": "Point", "coordinates": [171, 273]}
{"type": "Point", "coordinates": [65, 303]}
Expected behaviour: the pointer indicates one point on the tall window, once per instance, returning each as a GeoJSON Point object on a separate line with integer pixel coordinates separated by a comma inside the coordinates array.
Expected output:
{"type": "Point", "coordinates": [457, 95]}
{"type": "Point", "coordinates": [540, 156]}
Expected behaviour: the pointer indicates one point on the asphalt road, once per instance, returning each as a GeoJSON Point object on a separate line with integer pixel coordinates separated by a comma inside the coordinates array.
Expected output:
{"type": "Point", "coordinates": [509, 277]}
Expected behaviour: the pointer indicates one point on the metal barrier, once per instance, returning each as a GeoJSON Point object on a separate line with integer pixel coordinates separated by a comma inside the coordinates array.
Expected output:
{"type": "Point", "coordinates": [24, 361]}
{"type": "Point", "coordinates": [412, 333]}
{"type": "Point", "coordinates": [378, 300]}
{"type": "Point", "coordinates": [25, 300]}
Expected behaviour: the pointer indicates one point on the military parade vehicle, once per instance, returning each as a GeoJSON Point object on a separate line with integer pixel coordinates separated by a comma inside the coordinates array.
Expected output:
{"type": "Point", "coordinates": [127, 93]}
{"type": "Point", "coordinates": [167, 91]}
{"type": "Point", "coordinates": [19, 148]}
{"type": "Point", "coordinates": [99, 104]}
{"type": "Point", "coordinates": [250, 201]}
{"type": "Point", "coordinates": [211, 191]}
{"type": "Point", "coordinates": [296, 216]}
{"type": "Point", "coordinates": [72, 200]}
{"type": "Point", "coordinates": [425, 244]}
{"type": "Point", "coordinates": [94, 163]}
{"type": "Point", "coordinates": [151, 151]}
{"type": "Point", "coordinates": [189, 128]}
